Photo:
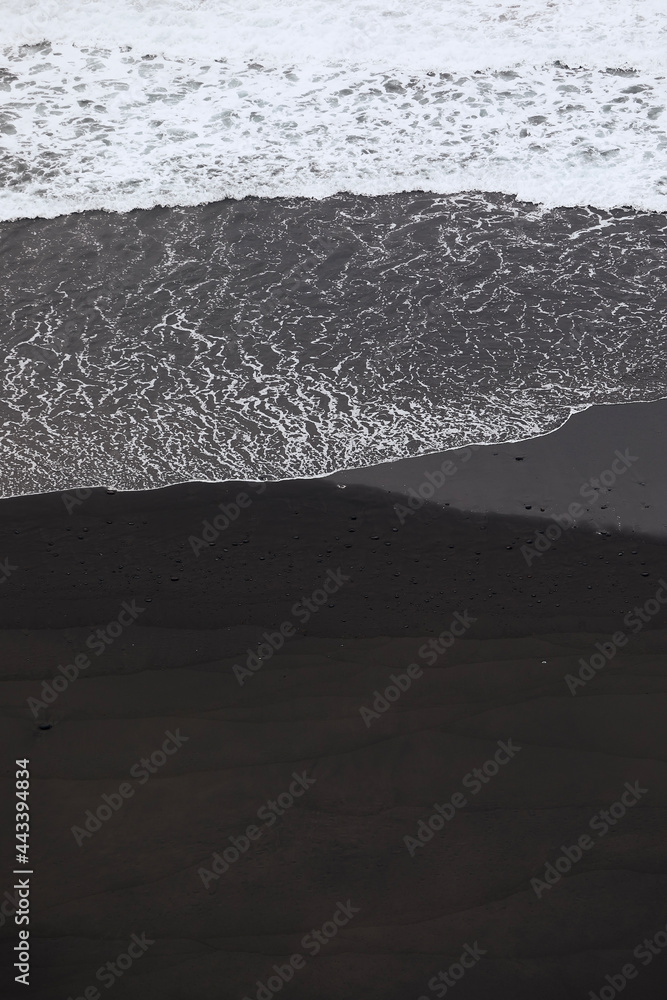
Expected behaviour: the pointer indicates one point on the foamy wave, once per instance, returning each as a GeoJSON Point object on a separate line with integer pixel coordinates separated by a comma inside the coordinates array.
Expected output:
{"type": "Point", "coordinates": [456, 35]}
{"type": "Point", "coordinates": [141, 104]}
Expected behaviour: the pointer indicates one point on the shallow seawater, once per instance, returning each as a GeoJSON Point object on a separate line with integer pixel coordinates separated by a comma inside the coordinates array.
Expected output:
{"type": "Point", "coordinates": [270, 338]}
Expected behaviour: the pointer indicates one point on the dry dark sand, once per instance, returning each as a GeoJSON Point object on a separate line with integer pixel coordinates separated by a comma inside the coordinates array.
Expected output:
{"type": "Point", "coordinates": [343, 839]}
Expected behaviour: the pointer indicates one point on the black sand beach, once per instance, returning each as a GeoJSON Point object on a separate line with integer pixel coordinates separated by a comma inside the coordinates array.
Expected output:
{"type": "Point", "coordinates": [312, 688]}
{"type": "Point", "coordinates": [193, 584]}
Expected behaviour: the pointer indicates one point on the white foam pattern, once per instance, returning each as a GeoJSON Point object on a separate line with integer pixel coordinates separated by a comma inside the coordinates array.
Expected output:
{"type": "Point", "coordinates": [126, 104]}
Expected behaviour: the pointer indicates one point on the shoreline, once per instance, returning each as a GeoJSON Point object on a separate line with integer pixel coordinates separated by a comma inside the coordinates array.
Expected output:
{"type": "Point", "coordinates": [359, 473]}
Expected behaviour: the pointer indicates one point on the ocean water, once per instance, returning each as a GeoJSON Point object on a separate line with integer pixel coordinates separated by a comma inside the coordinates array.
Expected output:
{"type": "Point", "coordinates": [134, 104]}
{"type": "Point", "coordinates": [262, 240]}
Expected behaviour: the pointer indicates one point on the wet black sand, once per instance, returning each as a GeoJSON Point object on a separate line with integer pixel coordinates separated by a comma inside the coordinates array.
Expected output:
{"type": "Point", "coordinates": [197, 615]}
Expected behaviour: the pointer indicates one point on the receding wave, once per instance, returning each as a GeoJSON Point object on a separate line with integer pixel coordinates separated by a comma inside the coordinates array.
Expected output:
{"type": "Point", "coordinates": [272, 339]}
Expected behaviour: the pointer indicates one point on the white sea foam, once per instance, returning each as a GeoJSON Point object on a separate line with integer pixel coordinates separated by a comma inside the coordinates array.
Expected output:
{"type": "Point", "coordinates": [120, 105]}
{"type": "Point", "coordinates": [425, 34]}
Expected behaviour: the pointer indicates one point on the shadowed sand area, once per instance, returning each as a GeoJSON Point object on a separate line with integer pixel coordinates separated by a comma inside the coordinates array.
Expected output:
{"type": "Point", "coordinates": [205, 607]}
